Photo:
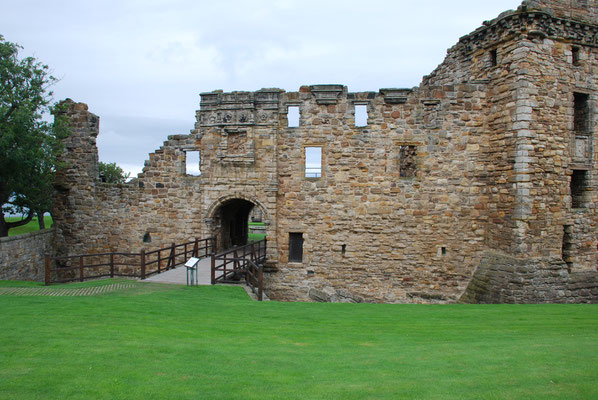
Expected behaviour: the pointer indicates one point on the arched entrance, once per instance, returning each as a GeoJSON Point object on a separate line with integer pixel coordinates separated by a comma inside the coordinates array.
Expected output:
{"type": "Point", "coordinates": [230, 219]}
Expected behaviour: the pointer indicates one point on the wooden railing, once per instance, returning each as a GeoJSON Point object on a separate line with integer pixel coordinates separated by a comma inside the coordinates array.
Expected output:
{"type": "Point", "coordinates": [135, 265]}
{"type": "Point", "coordinates": [243, 262]}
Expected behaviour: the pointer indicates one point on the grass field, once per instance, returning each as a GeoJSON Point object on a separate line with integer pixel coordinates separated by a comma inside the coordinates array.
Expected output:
{"type": "Point", "coordinates": [255, 237]}
{"type": "Point", "coordinates": [172, 342]}
{"type": "Point", "coordinates": [32, 226]}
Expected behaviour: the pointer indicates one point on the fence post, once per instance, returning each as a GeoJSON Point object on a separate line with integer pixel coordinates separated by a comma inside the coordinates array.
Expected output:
{"type": "Point", "coordinates": [81, 268]}
{"type": "Point", "coordinates": [196, 248]}
{"type": "Point", "coordinates": [260, 273]}
{"type": "Point", "coordinates": [111, 265]}
{"type": "Point", "coordinates": [159, 262]}
{"type": "Point", "coordinates": [47, 274]}
{"type": "Point", "coordinates": [172, 256]}
{"type": "Point", "coordinates": [214, 244]}
{"type": "Point", "coordinates": [213, 269]}
{"type": "Point", "coordinates": [142, 254]}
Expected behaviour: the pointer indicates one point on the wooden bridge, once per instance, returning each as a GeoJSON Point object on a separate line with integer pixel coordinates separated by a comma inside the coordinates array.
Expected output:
{"type": "Point", "coordinates": [243, 264]}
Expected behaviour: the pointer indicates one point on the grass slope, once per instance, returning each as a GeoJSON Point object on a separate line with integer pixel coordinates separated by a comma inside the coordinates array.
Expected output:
{"type": "Point", "coordinates": [32, 226]}
{"type": "Point", "coordinates": [213, 342]}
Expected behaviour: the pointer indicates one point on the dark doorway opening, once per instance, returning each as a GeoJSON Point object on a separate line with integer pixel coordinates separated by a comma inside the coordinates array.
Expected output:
{"type": "Point", "coordinates": [234, 218]}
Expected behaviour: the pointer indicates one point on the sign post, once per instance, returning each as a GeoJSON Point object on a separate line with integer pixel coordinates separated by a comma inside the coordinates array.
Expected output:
{"type": "Point", "coordinates": [192, 272]}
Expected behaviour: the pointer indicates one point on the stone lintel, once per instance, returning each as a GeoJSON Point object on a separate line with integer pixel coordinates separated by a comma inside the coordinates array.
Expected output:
{"type": "Point", "coordinates": [395, 96]}
{"type": "Point", "coordinates": [327, 94]}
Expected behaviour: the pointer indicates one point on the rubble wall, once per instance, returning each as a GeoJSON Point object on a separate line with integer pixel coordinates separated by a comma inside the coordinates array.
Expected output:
{"type": "Point", "coordinates": [22, 256]}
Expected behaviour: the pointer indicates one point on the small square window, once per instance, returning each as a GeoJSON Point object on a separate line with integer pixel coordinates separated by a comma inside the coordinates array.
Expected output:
{"type": "Point", "coordinates": [575, 51]}
{"type": "Point", "coordinates": [361, 115]}
{"type": "Point", "coordinates": [295, 247]}
{"type": "Point", "coordinates": [293, 116]}
{"type": "Point", "coordinates": [313, 162]}
{"type": "Point", "coordinates": [192, 161]}
{"type": "Point", "coordinates": [493, 55]}
{"type": "Point", "coordinates": [581, 113]}
{"type": "Point", "coordinates": [407, 161]}
{"type": "Point", "coordinates": [578, 187]}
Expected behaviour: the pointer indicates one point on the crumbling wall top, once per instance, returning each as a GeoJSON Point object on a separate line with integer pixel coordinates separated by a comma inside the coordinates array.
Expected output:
{"type": "Point", "coordinates": [578, 10]}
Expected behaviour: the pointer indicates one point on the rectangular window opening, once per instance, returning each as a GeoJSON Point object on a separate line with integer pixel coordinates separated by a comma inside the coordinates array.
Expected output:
{"type": "Point", "coordinates": [407, 161]}
{"type": "Point", "coordinates": [293, 116]}
{"type": "Point", "coordinates": [295, 247]}
{"type": "Point", "coordinates": [575, 55]}
{"type": "Point", "coordinates": [493, 58]}
{"type": "Point", "coordinates": [578, 187]}
{"type": "Point", "coordinates": [192, 160]}
{"type": "Point", "coordinates": [313, 162]}
{"type": "Point", "coordinates": [361, 115]}
{"type": "Point", "coordinates": [581, 113]}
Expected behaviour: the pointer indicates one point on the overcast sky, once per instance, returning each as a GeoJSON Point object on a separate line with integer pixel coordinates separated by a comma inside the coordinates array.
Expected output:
{"type": "Point", "coordinates": [140, 65]}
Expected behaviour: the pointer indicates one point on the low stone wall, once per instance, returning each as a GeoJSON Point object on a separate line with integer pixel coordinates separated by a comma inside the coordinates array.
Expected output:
{"type": "Point", "coordinates": [504, 279]}
{"type": "Point", "coordinates": [22, 256]}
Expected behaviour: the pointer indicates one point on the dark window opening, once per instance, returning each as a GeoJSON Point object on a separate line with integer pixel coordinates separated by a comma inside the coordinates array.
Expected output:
{"type": "Point", "coordinates": [443, 251]}
{"type": "Point", "coordinates": [344, 249]}
{"type": "Point", "coordinates": [581, 113]}
{"type": "Point", "coordinates": [575, 55]}
{"type": "Point", "coordinates": [293, 116]}
{"type": "Point", "coordinates": [567, 249]}
{"type": "Point", "coordinates": [147, 238]}
{"type": "Point", "coordinates": [295, 247]}
{"type": "Point", "coordinates": [493, 58]}
{"type": "Point", "coordinates": [361, 115]}
{"type": "Point", "coordinates": [578, 186]}
{"type": "Point", "coordinates": [407, 161]}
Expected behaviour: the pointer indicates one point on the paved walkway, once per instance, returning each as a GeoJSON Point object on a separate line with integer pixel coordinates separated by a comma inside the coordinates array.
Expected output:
{"type": "Point", "coordinates": [179, 274]}
{"type": "Point", "coordinates": [50, 291]}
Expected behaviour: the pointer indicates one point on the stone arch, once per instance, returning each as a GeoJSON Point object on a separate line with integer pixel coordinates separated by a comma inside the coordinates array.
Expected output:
{"type": "Point", "coordinates": [227, 219]}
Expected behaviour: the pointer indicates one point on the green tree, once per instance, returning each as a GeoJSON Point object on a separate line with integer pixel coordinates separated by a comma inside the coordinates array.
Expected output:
{"type": "Point", "coordinates": [112, 173]}
{"type": "Point", "coordinates": [29, 146]}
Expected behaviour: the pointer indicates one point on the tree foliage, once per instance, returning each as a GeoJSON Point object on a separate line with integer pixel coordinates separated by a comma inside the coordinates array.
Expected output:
{"type": "Point", "coordinates": [112, 173]}
{"type": "Point", "coordinates": [29, 145]}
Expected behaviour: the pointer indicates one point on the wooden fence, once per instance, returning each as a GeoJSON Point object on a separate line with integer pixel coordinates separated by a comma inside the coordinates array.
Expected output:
{"type": "Point", "coordinates": [136, 265]}
{"type": "Point", "coordinates": [243, 262]}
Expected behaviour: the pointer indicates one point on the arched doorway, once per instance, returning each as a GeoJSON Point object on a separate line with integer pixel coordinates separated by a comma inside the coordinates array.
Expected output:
{"type": "Point", "coordinates": [230, 219]}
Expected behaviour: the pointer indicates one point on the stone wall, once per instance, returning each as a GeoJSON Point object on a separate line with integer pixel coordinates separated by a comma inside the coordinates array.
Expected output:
{"type": "Point", "coordinates": [22, 256]}
{"type": "Point", "coordinates": [504, 279]}
{"type": "Point", "coordinates": [480, 157]}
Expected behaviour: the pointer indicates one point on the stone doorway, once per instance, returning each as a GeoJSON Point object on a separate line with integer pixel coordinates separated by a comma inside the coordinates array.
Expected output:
{"type": "Point", "coordinates": [230, 223]}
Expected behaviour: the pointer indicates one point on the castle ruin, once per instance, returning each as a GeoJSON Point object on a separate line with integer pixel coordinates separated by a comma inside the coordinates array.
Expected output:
{"type": "Point", "coordinates": [479, 185]}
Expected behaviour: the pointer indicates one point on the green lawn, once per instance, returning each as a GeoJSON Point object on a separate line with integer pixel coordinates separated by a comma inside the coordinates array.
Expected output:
{"type": "Point", "coordinates": [32, 226]}
{"type": "Point", "coordinates": [255, 237]}
{"type": "Point", "coordinates": [172, 342]}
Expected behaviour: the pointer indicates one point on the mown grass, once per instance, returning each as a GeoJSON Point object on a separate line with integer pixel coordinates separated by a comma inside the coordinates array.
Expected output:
{"type": "Point", "coordinates": [32, 226]}
{"type": "Point", "coordinates": [215, 343]}
{"type": "Point", "coordinates": [255, 237]}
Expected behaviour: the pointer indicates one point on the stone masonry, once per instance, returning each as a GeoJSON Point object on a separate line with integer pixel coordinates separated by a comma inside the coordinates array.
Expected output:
{"type": "Point", "coordinates": [22, 256]}
{"type": "Point", "coordinates": [448, 190]}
